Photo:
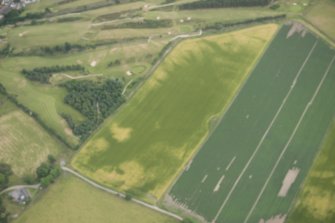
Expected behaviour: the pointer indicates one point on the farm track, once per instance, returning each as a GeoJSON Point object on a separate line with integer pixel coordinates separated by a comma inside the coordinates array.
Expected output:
{"type": "Point", "coordinates": [98, 186]}
{"type": "Point", "coordinates": [17, 187]}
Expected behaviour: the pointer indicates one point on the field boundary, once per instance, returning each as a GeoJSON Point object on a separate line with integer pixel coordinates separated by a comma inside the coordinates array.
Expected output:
{"type": "Point", "coordinates": [111, 191]}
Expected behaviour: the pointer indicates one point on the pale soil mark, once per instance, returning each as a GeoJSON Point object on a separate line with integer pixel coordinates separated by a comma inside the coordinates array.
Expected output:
{"type": "Point", "coordinates": [204, 179]}
{"type": "Point", "coordinates": [217, 187]}
{"type": "Point", "coordinates": [23, 34]}
{"type": "Point", "coordinates": [290, 139]}
{"type": "Point", "coordinates": [93, 63]}
{"type": "Point", "coordinates": [230, 163]}
{"type": "Point", "coordinates": [120, 134]}
{"type": "Point", "coordinates": [265, 134]}
{"type": "Point", "coordinates": [296, 28]}
{"type": "Point", "coordinates": [188, 165]}
{"type": "Point", "coordinates": [289, 179]}
{"type": "Point", "coordinates": [274, 219]}
{"type": "Point", "coordinates": [182, 36]}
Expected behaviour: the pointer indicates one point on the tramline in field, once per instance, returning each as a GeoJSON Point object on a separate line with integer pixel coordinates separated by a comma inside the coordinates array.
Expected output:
{"type": "Point", "coordinates": [251, 168]}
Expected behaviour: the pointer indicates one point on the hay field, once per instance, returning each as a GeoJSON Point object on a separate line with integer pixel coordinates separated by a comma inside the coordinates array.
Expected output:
{"type": "Point", "coordinates": [71, 200]}
{"type": "Point", "coordinates": [23, 143]}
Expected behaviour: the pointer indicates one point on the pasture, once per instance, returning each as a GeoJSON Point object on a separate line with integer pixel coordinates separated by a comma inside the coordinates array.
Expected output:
{"type": "Point", "coordinates": [251, 167]}
{"type": "Point", "coordinates": [321, 15]}
{"type": "Point", "coordinates": [23, 143]}
{"type": "Point", "coordinates": [142, 148]}
{"type": "Point", "coordinates": [71, 200]}
{"type": "Point", "coordinates": [316, 200]}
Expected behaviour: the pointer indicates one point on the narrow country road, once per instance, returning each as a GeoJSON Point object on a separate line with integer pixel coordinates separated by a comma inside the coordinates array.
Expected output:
{"type": "Point", "coordinates": [98, 186]}
{"type": "Point", "coordinates": [17, 187]}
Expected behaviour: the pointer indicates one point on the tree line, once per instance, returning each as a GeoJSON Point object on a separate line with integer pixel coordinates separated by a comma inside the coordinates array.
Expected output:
{"type": "Point", "coordinates": [5, 51]}
{"type": "Point", "coordinates": [3, 213]}
{"type": "Point", "coordinates": [220, 26]}
{"type": "Point", "coordinates": [222, 3]}
{"type": "Point", "coordinates": [60, 49]}
{"type": "Point", "coordinates": [145, 24]}
{"type": "Point", "coordinates": [90, 6]}
{"type": "Point", "coordinates": [67, 47]}
{"type": "Point", "coordinates": [116, 15]}
{"type": "Point", "coordinates": [15, 16]}
{"type": "Point", "coordinates": [96, 101]}
{"type": "Point", "coordinates": [43, 74]}
{"type": "Point", "coordinates": [48, 172]}
{"type": "Point", "coordinates": [5, 172]}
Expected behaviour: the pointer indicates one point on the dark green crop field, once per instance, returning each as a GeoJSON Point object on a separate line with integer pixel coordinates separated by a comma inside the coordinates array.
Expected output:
{"type": "Point", "coordinates": [253, 164]}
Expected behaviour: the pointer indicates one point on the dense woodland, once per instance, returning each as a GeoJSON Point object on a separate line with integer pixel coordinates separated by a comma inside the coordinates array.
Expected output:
{"type": "Point", "coordinates": [43, 74]}
{"type": "Point", "coordinates": [94, 100]}
{"type": "Point", "coordinates": [223, 3]}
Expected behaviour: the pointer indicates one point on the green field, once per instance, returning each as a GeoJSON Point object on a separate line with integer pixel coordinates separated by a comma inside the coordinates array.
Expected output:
{"type": "Point", "coordinates": [25, 37]}
{"type": "Point", "coordinates": [275, 124]}
{"type": "Point", "coordinates": [71, 201]}
{"type": "Point", "coordinates": [45, 100]}
{"type": "Point", "coordinates": [136, 55]}
{"type": "Point", "coordinates": [143, 147]}
{"type": "Point", "coordinates": [316, 201]}
{"type": "Point", "coordinates": [23, 143]}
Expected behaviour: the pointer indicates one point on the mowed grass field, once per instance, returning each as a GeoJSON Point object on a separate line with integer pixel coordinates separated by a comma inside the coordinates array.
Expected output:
{"type": "Point", "coordinates": [275, 124]}
{"type": "Point", "coordinates": [321, 15]}
{"type": "Point", "coordinates": [142, 148]}
{"type": "Point", "coordinates": [316, 201]}
{"type": "Point", "coordinates": [47, 100]}
{"type": "Point", "coordinates": [23, 143]}
{"type": "Point", "coordinates": [71, 200]}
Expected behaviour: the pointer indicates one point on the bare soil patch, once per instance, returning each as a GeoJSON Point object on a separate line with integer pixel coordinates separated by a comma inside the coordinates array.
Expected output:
{"type": "Point", "coordinates": [289, 179]}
